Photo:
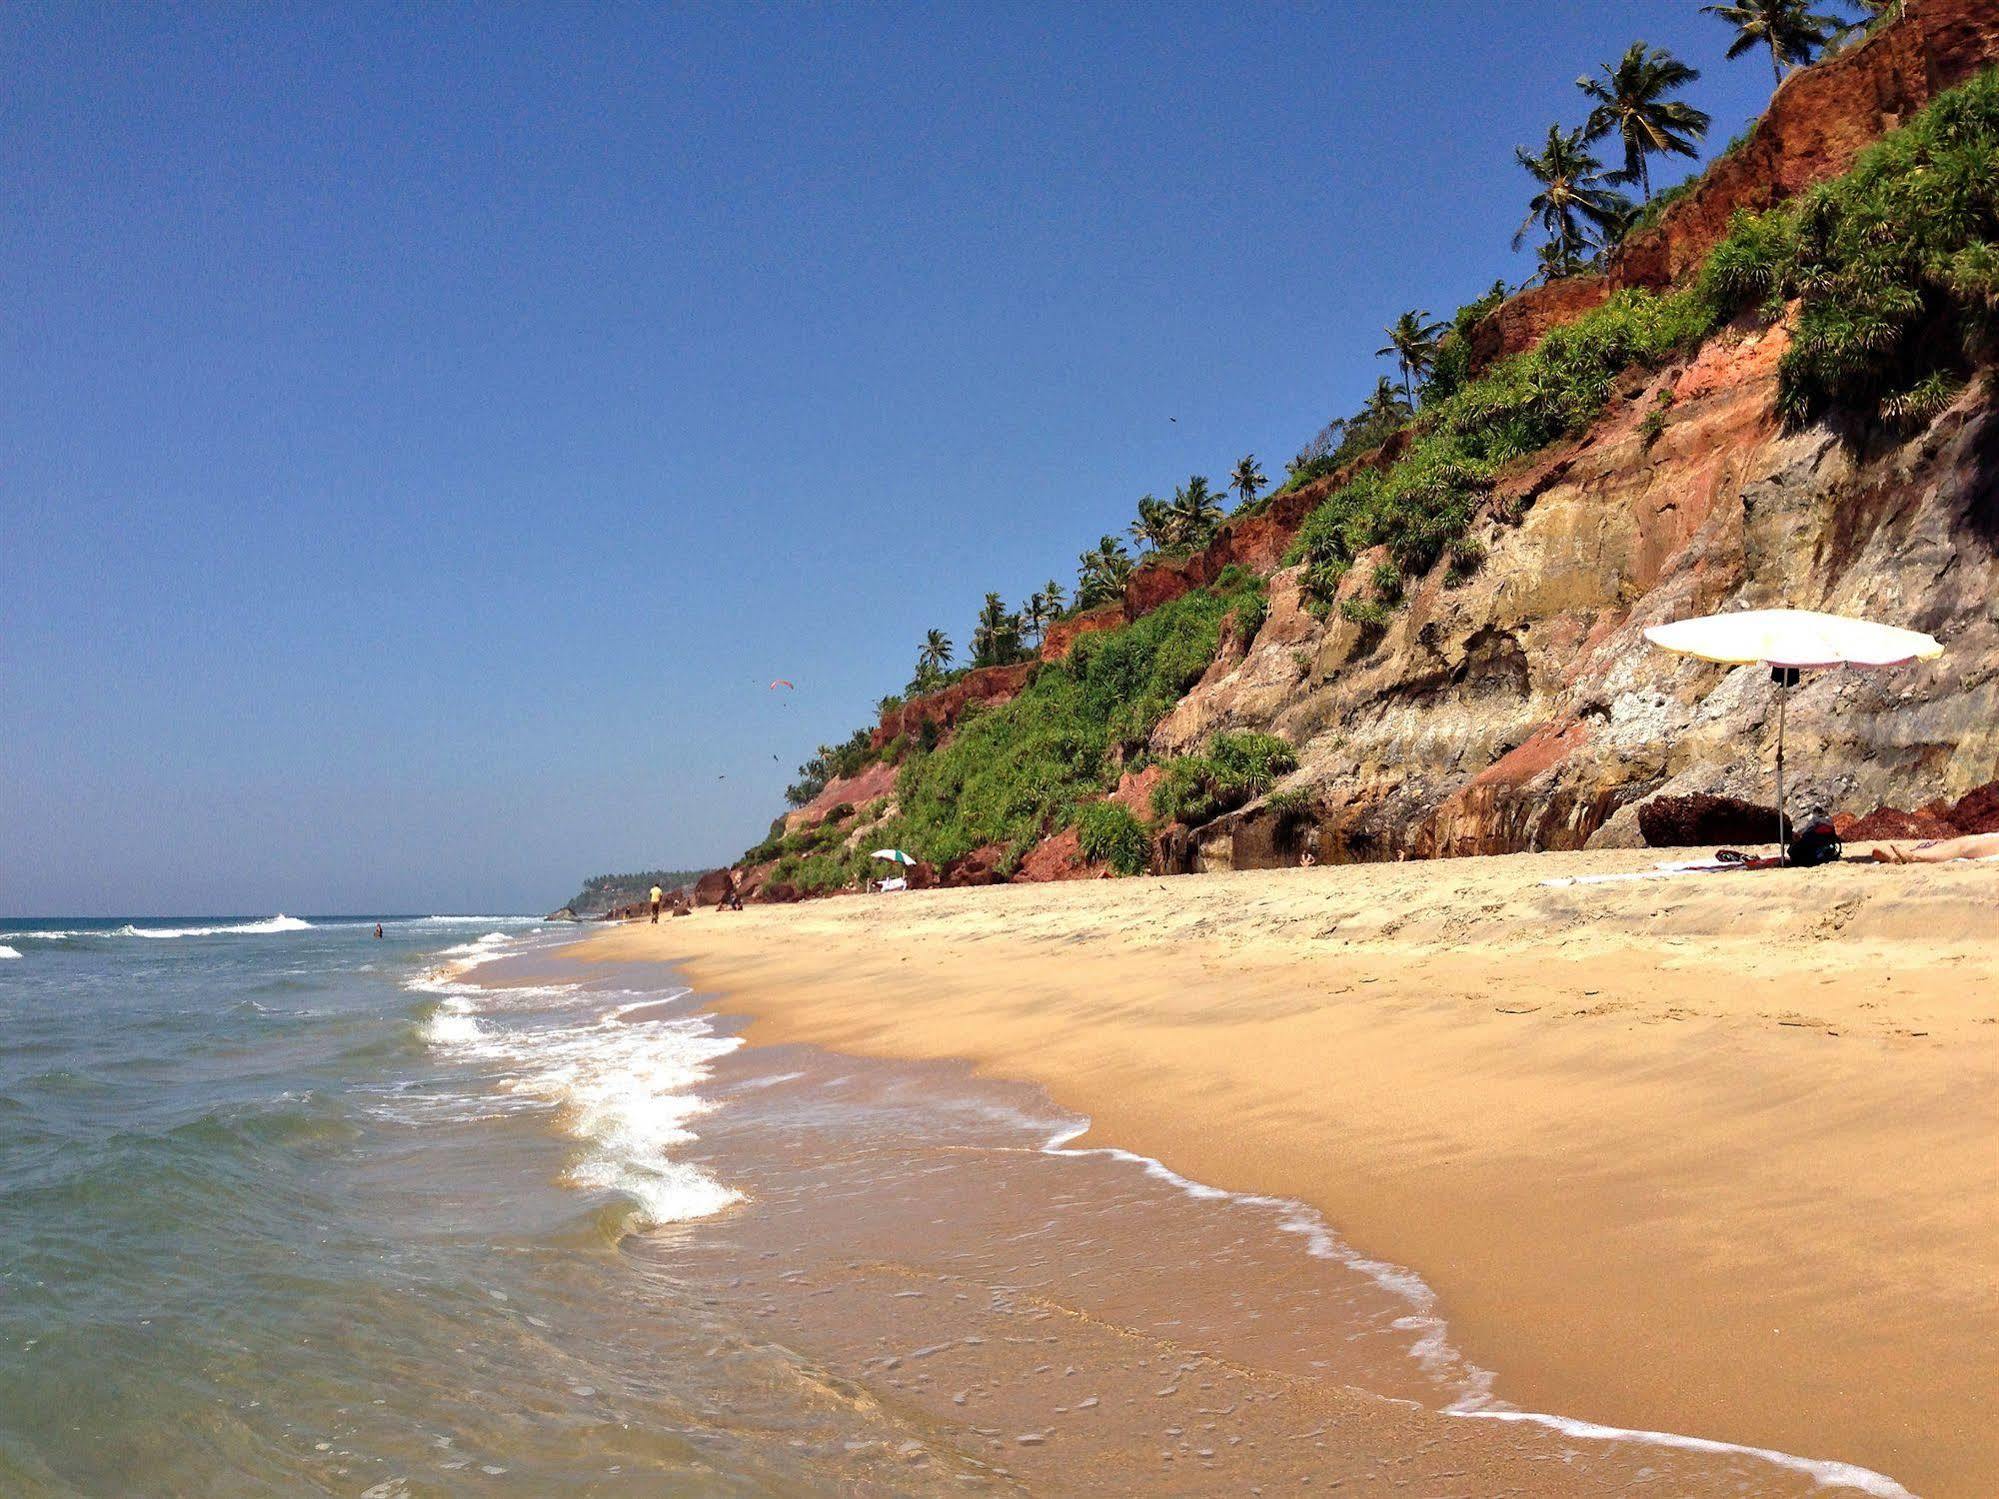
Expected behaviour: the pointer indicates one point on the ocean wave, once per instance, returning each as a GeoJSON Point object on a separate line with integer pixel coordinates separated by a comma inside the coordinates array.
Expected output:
{"type": "Point", "coordinates": [278, 923]}
{"type": "Point", "coordinates": [621, 1086]}
{"type": "Point", "coordinates": [7, 952]}
{"type": "Point", "coordinates": [41, 936]}
{"type": "Point", "coordinates": [452, 1023]}
{"type": "Point", "coordinates": [484, 947]}
{"type": "Point", "coordinates": [475, 921]}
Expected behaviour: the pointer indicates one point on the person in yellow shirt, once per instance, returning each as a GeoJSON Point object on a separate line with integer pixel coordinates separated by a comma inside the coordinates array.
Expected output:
{"type": "Point", "coordinates": [658, 895]}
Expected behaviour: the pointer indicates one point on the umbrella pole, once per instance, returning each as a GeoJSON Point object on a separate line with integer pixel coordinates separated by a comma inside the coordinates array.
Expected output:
{"type": "Point", "coordinates": [1783, 692]}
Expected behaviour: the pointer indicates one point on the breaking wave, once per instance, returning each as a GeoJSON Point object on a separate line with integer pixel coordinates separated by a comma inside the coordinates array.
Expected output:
{"type": "Point", "coordinates": [278, 923]}
{"type": "Point", "coordinates": [620, 1081]}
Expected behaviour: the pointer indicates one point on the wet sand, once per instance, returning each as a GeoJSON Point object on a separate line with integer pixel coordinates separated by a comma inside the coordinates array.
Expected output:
{"type": "Point", "coordinates": [1715, 1155]}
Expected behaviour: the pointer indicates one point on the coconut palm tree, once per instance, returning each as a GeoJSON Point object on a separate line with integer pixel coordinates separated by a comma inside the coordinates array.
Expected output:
{"type": "Point", "coordinates": [1412, 339]}
{"type": "Point", "coordinates": [1105, 570]}
{"type": "Point", "coordinates": [1385, 410]}
{"type": "Point", "coordinates": [996, 638]}
{"type": "Point", "coordinates": [1246, 478]}
{"type": "Point", "coordinates": [1055, 595]}
{"type": "Point", "coordinates": [1572, 196]}
{"type": "Point", "coordinates": [936, 652]}
{"type": "Point", "coordinates": [1154, 527]}
{"type": "Point", "coordinates": [1195, 512]}
{"type": "Point", "coordinates": [1036, 613]}
{"type": "Point", "coordinates": [1791, 29]}
{"type": "Point", "coordinates": [1631, 104]}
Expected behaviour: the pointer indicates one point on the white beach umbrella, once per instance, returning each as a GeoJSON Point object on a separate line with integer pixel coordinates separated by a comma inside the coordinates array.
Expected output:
{"type": "Point", "coordinates": [1788, 641]}
{"type": "Point", "coordinates": [896, 855]}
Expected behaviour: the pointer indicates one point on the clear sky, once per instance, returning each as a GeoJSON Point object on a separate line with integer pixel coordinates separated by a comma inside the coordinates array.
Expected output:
{"type": "Point", "coordinates": [425, 430]}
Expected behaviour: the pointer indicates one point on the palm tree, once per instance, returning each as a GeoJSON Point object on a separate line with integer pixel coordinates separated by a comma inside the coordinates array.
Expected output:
{"type": "Point", "coordinates": [996, 639]}
{"type": "Point", "coordinates": [1036, 614]}
{"type": "Point", "coordinates": [1105, 570]}
{"type": "Point", "coordinates": [1385, 408]}
{"type": "Point", "coordinates": [1246, 478]}
{"type": "Point", "coordinates": [1154, 526]}
{"type": "Point", "coordinates": [1791, 29]}
{"type": "Point", "coordinates": [1055, 595]}
{"type": "Point", "coordinates": [1572, 195]}
{"type": "Point", "coordinates": [1413, 342]}
{"type": "Point", "coordinates": [1631, 104]}
{"type": "Point", "coordinates": [936, 652]}
{"type": "Point", "coordinates": [1194, 513]}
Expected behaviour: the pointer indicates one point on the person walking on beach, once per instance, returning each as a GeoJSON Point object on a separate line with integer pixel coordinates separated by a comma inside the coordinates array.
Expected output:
{"type": "Point", "coordinates": [658, 895]}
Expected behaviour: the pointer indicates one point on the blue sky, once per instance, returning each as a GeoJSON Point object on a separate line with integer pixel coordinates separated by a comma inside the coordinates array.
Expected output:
{"type": "Point", "coordinates": [424, 431]}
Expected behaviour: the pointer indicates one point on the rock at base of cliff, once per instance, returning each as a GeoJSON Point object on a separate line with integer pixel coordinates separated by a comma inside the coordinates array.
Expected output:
{"type": "Point", "coordinates": [1691, 821]}
{"type": "Point", "coordinates": [714, 887]}
{"type": "Point", "coordinates": [979, 867]}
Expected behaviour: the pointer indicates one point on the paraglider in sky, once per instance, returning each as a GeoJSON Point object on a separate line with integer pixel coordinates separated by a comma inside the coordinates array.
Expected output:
{"type": "Point", "coordinates": [780, 682]}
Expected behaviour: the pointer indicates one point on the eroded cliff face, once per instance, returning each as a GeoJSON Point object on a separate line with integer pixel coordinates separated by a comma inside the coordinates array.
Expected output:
{"type": "Point", "coordinates": [1524, 709]}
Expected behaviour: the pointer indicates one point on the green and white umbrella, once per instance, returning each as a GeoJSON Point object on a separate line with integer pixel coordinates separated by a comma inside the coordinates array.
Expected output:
{"type": "Point", "coordinates": [894, 855]}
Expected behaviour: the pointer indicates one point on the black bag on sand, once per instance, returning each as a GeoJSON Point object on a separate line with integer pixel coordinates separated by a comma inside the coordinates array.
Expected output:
{"type": "Point", "coordinates": [1817, 843]}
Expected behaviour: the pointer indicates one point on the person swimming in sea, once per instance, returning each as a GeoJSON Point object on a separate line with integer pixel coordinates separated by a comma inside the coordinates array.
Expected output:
{"type": "Point", "coordinates": [378, 931]}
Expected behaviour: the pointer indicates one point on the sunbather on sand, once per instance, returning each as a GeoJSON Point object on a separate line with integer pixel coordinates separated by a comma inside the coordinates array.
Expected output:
{"type": "Point", "coordinates": [1941, 850]}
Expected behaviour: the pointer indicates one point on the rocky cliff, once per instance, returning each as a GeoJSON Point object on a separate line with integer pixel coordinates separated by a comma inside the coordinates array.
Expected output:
{"type": "Point", "coordinates": [1519, 707]}
{"type": "Point", "coordinates": [1524, 710]}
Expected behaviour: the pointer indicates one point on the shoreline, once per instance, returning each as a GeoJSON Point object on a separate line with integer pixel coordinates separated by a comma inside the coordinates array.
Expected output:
{"type": "Point", "coordinates": [1710, 1155]}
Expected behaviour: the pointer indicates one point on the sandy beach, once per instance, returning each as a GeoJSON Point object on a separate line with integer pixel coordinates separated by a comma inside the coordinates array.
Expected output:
{"type": "Point", "coordinates": [1714, 1154]}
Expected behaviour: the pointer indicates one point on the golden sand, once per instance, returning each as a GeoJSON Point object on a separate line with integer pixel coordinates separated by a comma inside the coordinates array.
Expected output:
{"type": "Point", "coordinates": [1716, 1154]}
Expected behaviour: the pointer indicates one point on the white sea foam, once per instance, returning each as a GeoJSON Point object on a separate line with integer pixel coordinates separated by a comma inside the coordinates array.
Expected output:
{"type": "Point", "coordinates": [1432, 1348]}
{"type": "Point", "coordinates": [41, 936]}
{"type": "Point", "coordinates": [475, 921]}
{"type": "Point", "coordinates": [485, 947]}
{"type": "Point", "coordinates": [622, 1088]}
{"type": "Point", "coordinates": [452, 1023]}
{"type": "Point", "coordinates": [7, 952]}
{"type": "Point", "coordinates": [278, 923]}
{"type": "Point", "coordinates": [1826, 1473]}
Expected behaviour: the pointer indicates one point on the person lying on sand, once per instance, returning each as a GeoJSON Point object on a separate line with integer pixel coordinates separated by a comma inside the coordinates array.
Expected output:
{"type": "Point", "coordinates": [1941, 850]}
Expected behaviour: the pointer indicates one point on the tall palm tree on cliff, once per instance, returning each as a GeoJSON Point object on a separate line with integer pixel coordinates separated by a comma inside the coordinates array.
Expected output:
{"type": "Point", "coordinates": [1385, 410]}
{"type": "Point", "coordinates": [936, 652]}
{"type": "Point", "coordinates": [1246, 478]}
{"type": "Point", "coordinates": [1572, 196]}
{"type": "Point", "coordinates": [1104, 571]}
{"type": "Point", "coordinates": [996, 639]}
{"type": "Point", "coordinates": [1037, 612]}
{"type": "Point", "coordinates": [1154, 526]}
{"type": "Point", "coordinates": [1631, 104]}
{"type": "Point", "coordinates": [1791, 29]}
{"type": "Point", "coordinates": [1053, 592]}
{"type": "Point", "coordinates": [1412, 339]}
{"type": "Point", "coordinates": [1195, 512]}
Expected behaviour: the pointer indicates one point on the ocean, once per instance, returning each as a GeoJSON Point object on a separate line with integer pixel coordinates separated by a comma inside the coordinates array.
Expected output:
{"type": "Point", "coordinates": [288, 1209]}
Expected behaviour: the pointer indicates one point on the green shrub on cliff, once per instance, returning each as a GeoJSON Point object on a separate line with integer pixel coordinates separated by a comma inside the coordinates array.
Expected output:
{"type": "Point", "coordinates": [1110, 834]}
{"type": "Point", "coordinates": [1235, 768]}
{"type": "Point", "coordinates": [1019, 770]}
{"type": "Point", "coordinates": [1426, 502]}
{"type": "Point", "coordinates": [1894, 266]}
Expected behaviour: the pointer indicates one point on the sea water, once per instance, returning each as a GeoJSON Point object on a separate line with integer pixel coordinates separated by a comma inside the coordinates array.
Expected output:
{"type": "Point", "coordinates": [277, 1215]}
{"type": "Point", "coordinates": [289, 1209]}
